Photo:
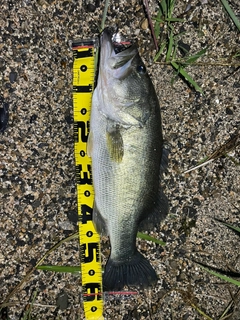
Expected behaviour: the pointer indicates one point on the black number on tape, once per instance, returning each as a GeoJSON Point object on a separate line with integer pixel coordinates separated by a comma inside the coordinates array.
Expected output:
{"type": "Point", "coordinates": [88, 88]}
{"type": "Point", "coordinates": [84, 131]}
{"type": "Point", "coordinates": [93, 289]}
{"type": "Point", "coordinates": [86, 213]}
{"type": "Point", "coordinates": [89, 252]}
{"type": "Point", "coordinates": [83, 54]}
{"type": "Point", "coordinates": [83, 177]}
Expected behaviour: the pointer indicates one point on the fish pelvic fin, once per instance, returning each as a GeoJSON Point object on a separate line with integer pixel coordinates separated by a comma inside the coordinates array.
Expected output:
{"type": "Point", "coordinates": [99, 222]}
{"type": "Point", "coordinates": [136, 272]}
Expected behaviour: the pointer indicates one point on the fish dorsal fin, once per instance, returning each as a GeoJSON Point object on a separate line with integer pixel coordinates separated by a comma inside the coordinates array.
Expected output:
{"type": "Point", "coordinates": [115, 143]}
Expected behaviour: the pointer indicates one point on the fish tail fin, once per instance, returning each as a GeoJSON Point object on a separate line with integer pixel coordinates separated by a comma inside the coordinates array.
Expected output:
{"type": "Point", "coordinates": [137, 271]}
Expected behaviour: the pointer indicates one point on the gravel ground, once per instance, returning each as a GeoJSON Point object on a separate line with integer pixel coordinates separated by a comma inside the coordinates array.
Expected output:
{"type": "Point", "coordinates": [37, 190]}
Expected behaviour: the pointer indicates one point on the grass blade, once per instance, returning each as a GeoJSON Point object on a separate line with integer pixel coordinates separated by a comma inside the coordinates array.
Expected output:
{"type": "Point", "coordinates": [163, 46]}
{"type": "Point", "coordinates": [229, 226]}
{"type": "Point", "coordinates": [174, 20]}
{"type": "Point", "coordinates": [69, 269]}
{"type": "Point", "coordinates": [231, 13]}
{"type": "Point", "coordinates": [222, 277]}
{"type": "Point", "coordinates": [145, 236]}
{"type": "Point", "coordinates": [232, 227]}
{"type": "Point", "coordinates": [187, 77]}
{"type": "Point", "coordinates": [104, 14]}
{"type": "Point", "coordinates": [163, 7]}
{"type": "Point", "coordinates": [170, 47]}
{"type": "Point", "coordinates": [26, 277]}
{"type": "Point", "coordinates": [27, 315]}
{"type": "Point", "coordinates": [157, 24]}
{"type": "Point", "coordinates": [223, 150]}
{"type": "Point", "coordinates": [196, 56]}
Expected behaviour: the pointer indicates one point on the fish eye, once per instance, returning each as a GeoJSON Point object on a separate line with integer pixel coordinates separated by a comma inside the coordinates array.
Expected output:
{"type": "Point", "coordinates": [141, 69]}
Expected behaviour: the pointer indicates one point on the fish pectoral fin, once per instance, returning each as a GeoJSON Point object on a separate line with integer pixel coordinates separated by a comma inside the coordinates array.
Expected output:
{"type": "Point", "coordinates": [158, 212]}
{"type": "Point", "coordinates": [90, 144]}
{"type": "Point", "coordinates": [115, 144]}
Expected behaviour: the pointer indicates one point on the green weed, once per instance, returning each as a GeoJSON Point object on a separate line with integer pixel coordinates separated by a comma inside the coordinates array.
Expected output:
{"type": "Point", "coordinates": [222, 274]}
{"type": "Point", "coordinates": [166, 34]}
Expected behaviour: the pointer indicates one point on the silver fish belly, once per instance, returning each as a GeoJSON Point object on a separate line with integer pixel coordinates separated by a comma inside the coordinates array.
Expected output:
{"type": "Point", "coordinates": [125, 144]}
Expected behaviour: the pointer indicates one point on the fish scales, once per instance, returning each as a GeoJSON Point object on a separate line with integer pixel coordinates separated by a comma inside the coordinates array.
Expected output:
{"type": "Point", "coordinates": [125, 144]}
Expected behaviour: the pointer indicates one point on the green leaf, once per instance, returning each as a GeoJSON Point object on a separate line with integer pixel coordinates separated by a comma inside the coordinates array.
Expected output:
{"type": "Point", "coordinates": [174, 52]}
{"type": "Point", "coordinates": [174, 20]}
{"type": "Point", "coordinates": [231, 13]}
{"type": "Point", "coordinates": [107, 2]}
{"type": "Point", "coordinates": [27, 314]}
{"type": "Point", "coordinates": [229, 226]}
{"type": "Point", "coordinates": [223, 277]}
{"type": "Point", "coordinates": [68, 269]}
{"type": "Point", "coordinates": [232, 227]}
{"type": "Point", "coordinates": [157, 24]}
{"type": "Point", "coordinates": [145, 236]}
{"type": "Point", "coordinates": [187, 77]}
{"type": "Point", "coordinates": [170, 47]}
{"type": "Point", "coordinates": [196, 56]}
{"type": "Point", "coordinates": [237, 54]}
{"type": "Point", "coordinates": [163, 46]}
{"type": "Point", "coordinates": [158, 20]}
{"type": "Point", "coordinates": [163, 7]}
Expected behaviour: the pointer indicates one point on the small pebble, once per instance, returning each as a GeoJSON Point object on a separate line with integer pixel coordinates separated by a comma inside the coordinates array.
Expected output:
{"type": "Point", "coordinates": [91, 7]}
{"type": "Point", "coordinates": [2, 64]}
{"type": "Point", "coordinates": [229, 111]}
{"type": "Point", "coordinates": [62, 300]}
{"type": "Point", "coordinates": [4, 117]}
{"type": "Point", "coordinates": [13, 76]}
{"type": "Point", "coordinates": [144, 24]}
{"type": "Point", "coordinates": [33, 118]}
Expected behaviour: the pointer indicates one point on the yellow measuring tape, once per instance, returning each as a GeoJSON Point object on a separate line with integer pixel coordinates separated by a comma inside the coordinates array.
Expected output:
{"type": "Point", "coordinates": [83, 85]}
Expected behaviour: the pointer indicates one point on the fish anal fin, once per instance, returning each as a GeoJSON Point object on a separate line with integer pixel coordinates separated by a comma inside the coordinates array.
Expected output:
{"type": "Point", "coordinates": [156, 215]}
{"type": "Point", "coordinates": [164, 159]}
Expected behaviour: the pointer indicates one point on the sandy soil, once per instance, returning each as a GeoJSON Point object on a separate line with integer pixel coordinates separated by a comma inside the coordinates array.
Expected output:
{"type": "Point", "coordinates": [37, 177]}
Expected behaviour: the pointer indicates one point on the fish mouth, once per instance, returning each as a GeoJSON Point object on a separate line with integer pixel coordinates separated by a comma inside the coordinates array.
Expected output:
{"type": "Point", "coordinates": [115, 50]}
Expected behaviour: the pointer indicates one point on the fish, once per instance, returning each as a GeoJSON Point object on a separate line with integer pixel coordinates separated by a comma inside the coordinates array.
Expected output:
{"type": "Point", "coordinates": [125, 144]}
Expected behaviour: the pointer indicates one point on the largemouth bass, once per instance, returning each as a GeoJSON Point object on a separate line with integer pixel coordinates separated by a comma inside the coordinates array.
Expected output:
{"type": "Point", "coordinates": [125, 144]}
